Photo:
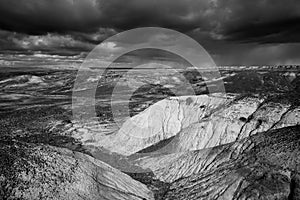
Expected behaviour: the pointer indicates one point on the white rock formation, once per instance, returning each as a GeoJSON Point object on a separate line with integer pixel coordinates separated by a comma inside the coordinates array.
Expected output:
{"type": "Point", "coordinates": [242, 118]}
{"type": "Point", "coordinates": [163, 120]}
{"type": "Point", "coordinates": [221, 127]}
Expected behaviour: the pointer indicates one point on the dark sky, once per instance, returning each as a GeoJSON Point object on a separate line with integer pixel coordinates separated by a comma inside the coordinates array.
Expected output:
{"type": "Point", "coordinates": [234, 32]}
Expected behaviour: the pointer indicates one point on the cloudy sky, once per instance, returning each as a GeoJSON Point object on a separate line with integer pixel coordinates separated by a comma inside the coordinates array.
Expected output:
{"type": "Point", "coordinates": [234, 32]}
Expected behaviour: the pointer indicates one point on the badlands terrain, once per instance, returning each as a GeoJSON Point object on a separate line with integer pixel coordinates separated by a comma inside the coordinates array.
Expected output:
{"type": "Point", "coordinates": [240, 144]}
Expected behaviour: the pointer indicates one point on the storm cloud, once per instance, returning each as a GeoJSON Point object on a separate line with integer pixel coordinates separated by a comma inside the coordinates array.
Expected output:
{"type": "Point", "coordinates": [80, 24]}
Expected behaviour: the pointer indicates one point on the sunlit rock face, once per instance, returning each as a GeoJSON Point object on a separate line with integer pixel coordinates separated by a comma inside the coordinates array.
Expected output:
{"type": "Point", "coordinates": [162, 121]}
{"type": "Point", "coordinates": [29, 171]}
{"type": "Point", "coordinates": [221, 127]}
{"type": "Point", "coordinates": [243, 118]}
{"type": "Point", "coordinates": [198, 122]}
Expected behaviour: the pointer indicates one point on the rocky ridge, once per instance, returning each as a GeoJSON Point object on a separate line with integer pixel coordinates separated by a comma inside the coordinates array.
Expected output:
{"type": "Point", "coordinates": [30, 171]}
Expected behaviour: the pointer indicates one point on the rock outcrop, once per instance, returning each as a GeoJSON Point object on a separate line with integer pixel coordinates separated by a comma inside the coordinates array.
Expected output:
{"type": "Point", "coordinates": [241, 119]}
